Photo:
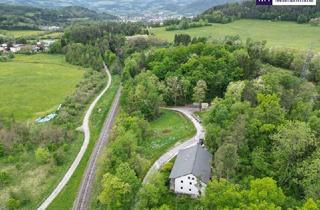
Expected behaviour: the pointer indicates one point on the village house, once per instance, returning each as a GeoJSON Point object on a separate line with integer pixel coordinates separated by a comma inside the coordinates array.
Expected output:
{"type": "Point", "coordinates": [50, 28]}
{"type": "Point", "coordinates": [15, 48]}
{"type": "Point", "coordinates": [191, 171]}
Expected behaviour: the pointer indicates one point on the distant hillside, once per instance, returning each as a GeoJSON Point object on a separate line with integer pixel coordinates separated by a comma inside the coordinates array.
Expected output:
{"type": "Point", "coordinates": [130, 7]}
{"type": "Point", "coordinates": [203, 5]}
{"type": "Point", "coordinates": [27, 17]}
{"type": "Point", "coordinates": [248, 9]}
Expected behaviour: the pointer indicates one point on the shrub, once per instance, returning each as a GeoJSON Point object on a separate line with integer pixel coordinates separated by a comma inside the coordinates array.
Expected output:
{"type": "Point", "coordinates": [4, 178]}
{"type": "Point", "coordinates": [42, 155]}
{"type": "Point", "coordinates": [3, 59]}
{"type": "Point", "coordinates": [59, 158]}
{"type": "Point", "coordinates": [18, 199]}
{"type": "Point", "coordinates": [1, 150]}
{"type": "Point", "coordinates": [315, 21]}
{"type": "Point", "coordinates": [11, 56]}
{"type": "Point", "coordinates": [302, 19]}
{"type": "Point", "coordinates": [13, 203]}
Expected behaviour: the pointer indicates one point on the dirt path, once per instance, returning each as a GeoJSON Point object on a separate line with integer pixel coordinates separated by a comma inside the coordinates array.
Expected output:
{"type": "Point", "coordinates": [86, 130]}
{"type": "Point", "coordinates": [166, 157]}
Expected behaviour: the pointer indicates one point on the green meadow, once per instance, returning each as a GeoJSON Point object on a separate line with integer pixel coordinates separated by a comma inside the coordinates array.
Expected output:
{"type": "Point", "coordinates": [277, 34]}
{"type": "Point", "coordinates": [167, 130]}
{"type": "Point", "coordinates": [34, 85]}
{"type": "Point", "coordinates": [21, 33]}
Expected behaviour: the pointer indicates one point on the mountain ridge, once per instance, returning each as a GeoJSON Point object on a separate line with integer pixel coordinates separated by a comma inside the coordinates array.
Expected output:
{"type": "Point", "coordinates": [129, 7]}
{"type": "Point", "coordinates": [29, 17]}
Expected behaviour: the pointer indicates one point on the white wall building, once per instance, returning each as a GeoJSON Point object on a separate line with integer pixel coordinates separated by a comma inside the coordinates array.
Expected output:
{"type": "Point", "coordinates": [191, 171]}
{"type": "Point", "coordinates": [204, 106]}
{"type": "Point", "coordinates": [15, 49]}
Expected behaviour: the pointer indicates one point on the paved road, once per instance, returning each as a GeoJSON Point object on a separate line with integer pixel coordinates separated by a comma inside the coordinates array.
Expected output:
{"type": "Point", "coordinates": [165, 158]}
{"type": "Point", "coordinates": [83, 196]}
{"type": "Point", "coordinates": [86, 131]}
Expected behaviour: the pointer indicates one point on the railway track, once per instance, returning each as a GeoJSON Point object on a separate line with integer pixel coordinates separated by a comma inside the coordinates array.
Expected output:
{"type": "Point", "coordinates": [84, 193]}
{"type": "Point", "coordinates": [86, 130]}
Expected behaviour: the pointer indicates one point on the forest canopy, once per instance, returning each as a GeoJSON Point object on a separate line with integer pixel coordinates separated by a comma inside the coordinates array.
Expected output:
{"type": "Point", "coordinates": [248, 9]}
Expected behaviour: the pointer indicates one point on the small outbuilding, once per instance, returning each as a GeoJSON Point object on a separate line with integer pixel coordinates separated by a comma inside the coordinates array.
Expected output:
{"type": "Point", "coordinates": [191, 171]}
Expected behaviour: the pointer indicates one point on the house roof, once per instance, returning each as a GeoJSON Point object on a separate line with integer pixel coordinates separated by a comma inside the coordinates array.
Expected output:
{"type": "Point", "coordinates": [194, 160]}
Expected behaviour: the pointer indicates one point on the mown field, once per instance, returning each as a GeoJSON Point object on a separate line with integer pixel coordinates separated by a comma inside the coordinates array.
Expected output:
{"type": "Point", "coordinates": [277, 34]}
{"type": "Point", "coordinates": [170, 128]}
{"type": "Point", "coordinates": [54, 35]}
{"type": "Point", "coordinates": [21, 33]}
{"type": "Point", "coordinates": [32, 86]}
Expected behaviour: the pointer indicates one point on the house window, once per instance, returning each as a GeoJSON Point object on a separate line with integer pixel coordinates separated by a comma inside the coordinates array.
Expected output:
{"type": "Point", "coordinates": [181, 188]}
{"type": "Point", "coordinates": [181, 181]}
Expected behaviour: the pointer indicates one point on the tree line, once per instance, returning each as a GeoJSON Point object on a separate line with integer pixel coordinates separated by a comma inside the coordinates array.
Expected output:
{"type": "Point", "coordinates": [124, 163]}
{"type": "Point", "coordinates": [186, 24]}
{"type": "Point", "coordinates": [89, 44]}
{"type": "Point", "coordinates": [248, 9]}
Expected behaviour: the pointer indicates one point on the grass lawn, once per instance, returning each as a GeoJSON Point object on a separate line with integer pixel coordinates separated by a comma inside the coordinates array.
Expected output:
{"type": "Point", "coordinates": [21, 33]}
{"type": "Point", "coordinates": [277, 34]}
{"type": "Point", "coordinates": [54, 35]}
{"type": "Point", "coordinates": [66, 198]}
{"type": "Point", "coordinates": [32, 86]}
{"type": "Point", "coordinates": [167, 130]}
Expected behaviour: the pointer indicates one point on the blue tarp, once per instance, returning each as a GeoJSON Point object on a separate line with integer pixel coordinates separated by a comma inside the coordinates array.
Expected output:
{"type": "Point", "coordinates": [46, 118]}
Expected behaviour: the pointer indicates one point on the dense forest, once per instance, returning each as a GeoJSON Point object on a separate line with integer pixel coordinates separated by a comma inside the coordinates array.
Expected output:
{"type": "Point", "coordinates": [262, 128]}
{"type": "Point", "coordinates": [88, 44]}
{"type": "Point", "coordinates": [248, 9]}
{"type": "Point", "coordinates": [25, 17]}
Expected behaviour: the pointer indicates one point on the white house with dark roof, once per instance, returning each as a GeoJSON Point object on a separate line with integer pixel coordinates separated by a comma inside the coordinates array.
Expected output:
{"type": "Point", "coordinates": [191, 171]}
